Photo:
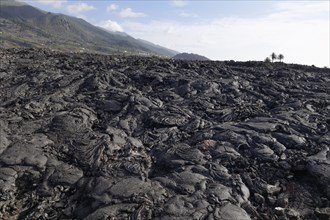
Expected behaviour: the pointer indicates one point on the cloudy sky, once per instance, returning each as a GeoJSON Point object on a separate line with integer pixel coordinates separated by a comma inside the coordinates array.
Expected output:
{"type": "Point", "coordinates": [220, 30]}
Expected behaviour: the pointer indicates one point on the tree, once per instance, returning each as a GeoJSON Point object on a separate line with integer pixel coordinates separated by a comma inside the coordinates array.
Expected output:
{"type": "Point", "coordinates": [280, 57]}
{"type": "Point", "coordinates": [273, 56]}
{"type": "Point", "coordinates": [267, 60]}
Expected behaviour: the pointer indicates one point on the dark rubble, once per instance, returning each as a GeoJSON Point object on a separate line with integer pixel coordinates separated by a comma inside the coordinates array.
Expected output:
{"type": "Point", "coordinates": [87, 136]}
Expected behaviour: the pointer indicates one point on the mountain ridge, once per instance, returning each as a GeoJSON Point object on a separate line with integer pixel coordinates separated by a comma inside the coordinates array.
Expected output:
{"type": "Point", "coordinates": [23, 25]}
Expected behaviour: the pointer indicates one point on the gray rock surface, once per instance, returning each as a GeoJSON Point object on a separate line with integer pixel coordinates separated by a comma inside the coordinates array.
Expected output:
{"type": "Point", "coordinates": [86, 136]}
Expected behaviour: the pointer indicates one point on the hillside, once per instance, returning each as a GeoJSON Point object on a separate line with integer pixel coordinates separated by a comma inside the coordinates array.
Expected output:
{"type": "Point", "coordinates": [85, 136]}
{"type": "Point", "coordinates": [189, 56]}
{"type": "Point", "coordinates": [157, 48]}
{"type": "Point", "coordinates": [25, 26]}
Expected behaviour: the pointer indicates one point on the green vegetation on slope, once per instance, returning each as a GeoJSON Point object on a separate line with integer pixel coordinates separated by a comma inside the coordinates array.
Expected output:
{"type": "Point", "coordinates": [25, 26]}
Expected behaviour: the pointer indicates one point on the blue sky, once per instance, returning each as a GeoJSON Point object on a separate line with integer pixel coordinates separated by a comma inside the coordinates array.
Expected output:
{"type": "Point", "coordinates": [220, 30]}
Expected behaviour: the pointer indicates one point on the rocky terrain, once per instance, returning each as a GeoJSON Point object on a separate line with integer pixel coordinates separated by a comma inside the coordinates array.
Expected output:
{"type": "Point", "coordinates": [112, 137]}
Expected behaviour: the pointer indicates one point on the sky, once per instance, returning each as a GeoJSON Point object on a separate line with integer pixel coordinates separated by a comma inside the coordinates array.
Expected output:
{"type": "Point", "coordinates": [220, 30]}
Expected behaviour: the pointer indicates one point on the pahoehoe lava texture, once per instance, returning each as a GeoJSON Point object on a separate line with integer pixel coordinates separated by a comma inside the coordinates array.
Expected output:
{"type": "Point", "coordinates": [110, 137]}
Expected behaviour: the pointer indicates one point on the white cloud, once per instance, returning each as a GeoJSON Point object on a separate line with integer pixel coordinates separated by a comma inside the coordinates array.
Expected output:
{"type": "Point", "coordinates": [110, 26]}
{"type": "Point", "coordinates": [52, 3]}
{"type": "Point", "coordinates": [187, 15]}
{"type": "Point", "coordinates": [128, 12]}
{"type": "Point", "coordinates": [303, 7]}
{"type": "Point", "coordinates": [304, 40]}
{"type": "Point", "coordinates": [79, 8]}
{"type": "Point", "coordinates": [179, 3]}
{"type": "Point", "coordinates": [112, 7]}
{"type": "Point", "coordinates": [300, 10]}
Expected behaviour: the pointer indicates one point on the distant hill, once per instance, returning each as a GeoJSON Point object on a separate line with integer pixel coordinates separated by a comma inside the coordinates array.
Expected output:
{"type": "Point", "coordinates": [189, 56]}
{"type": "Point", "coordinates": [158, 49]}
{"type": "Point", "coordinates": [22, 25]}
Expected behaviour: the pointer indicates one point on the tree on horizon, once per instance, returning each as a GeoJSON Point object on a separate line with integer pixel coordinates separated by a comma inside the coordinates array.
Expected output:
{"type": "Point", "coordinates": [273, 56]}
{"type": "Point", "coordinates": [280, 57]}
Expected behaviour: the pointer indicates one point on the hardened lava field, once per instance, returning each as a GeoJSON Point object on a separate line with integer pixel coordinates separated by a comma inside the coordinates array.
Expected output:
{"type": "Point", "coordinates": [87, 136]}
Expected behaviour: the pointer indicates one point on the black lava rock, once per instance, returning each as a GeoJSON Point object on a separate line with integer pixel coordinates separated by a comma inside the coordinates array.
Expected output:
{"type": "Point", "coordinates": [85, 136]}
